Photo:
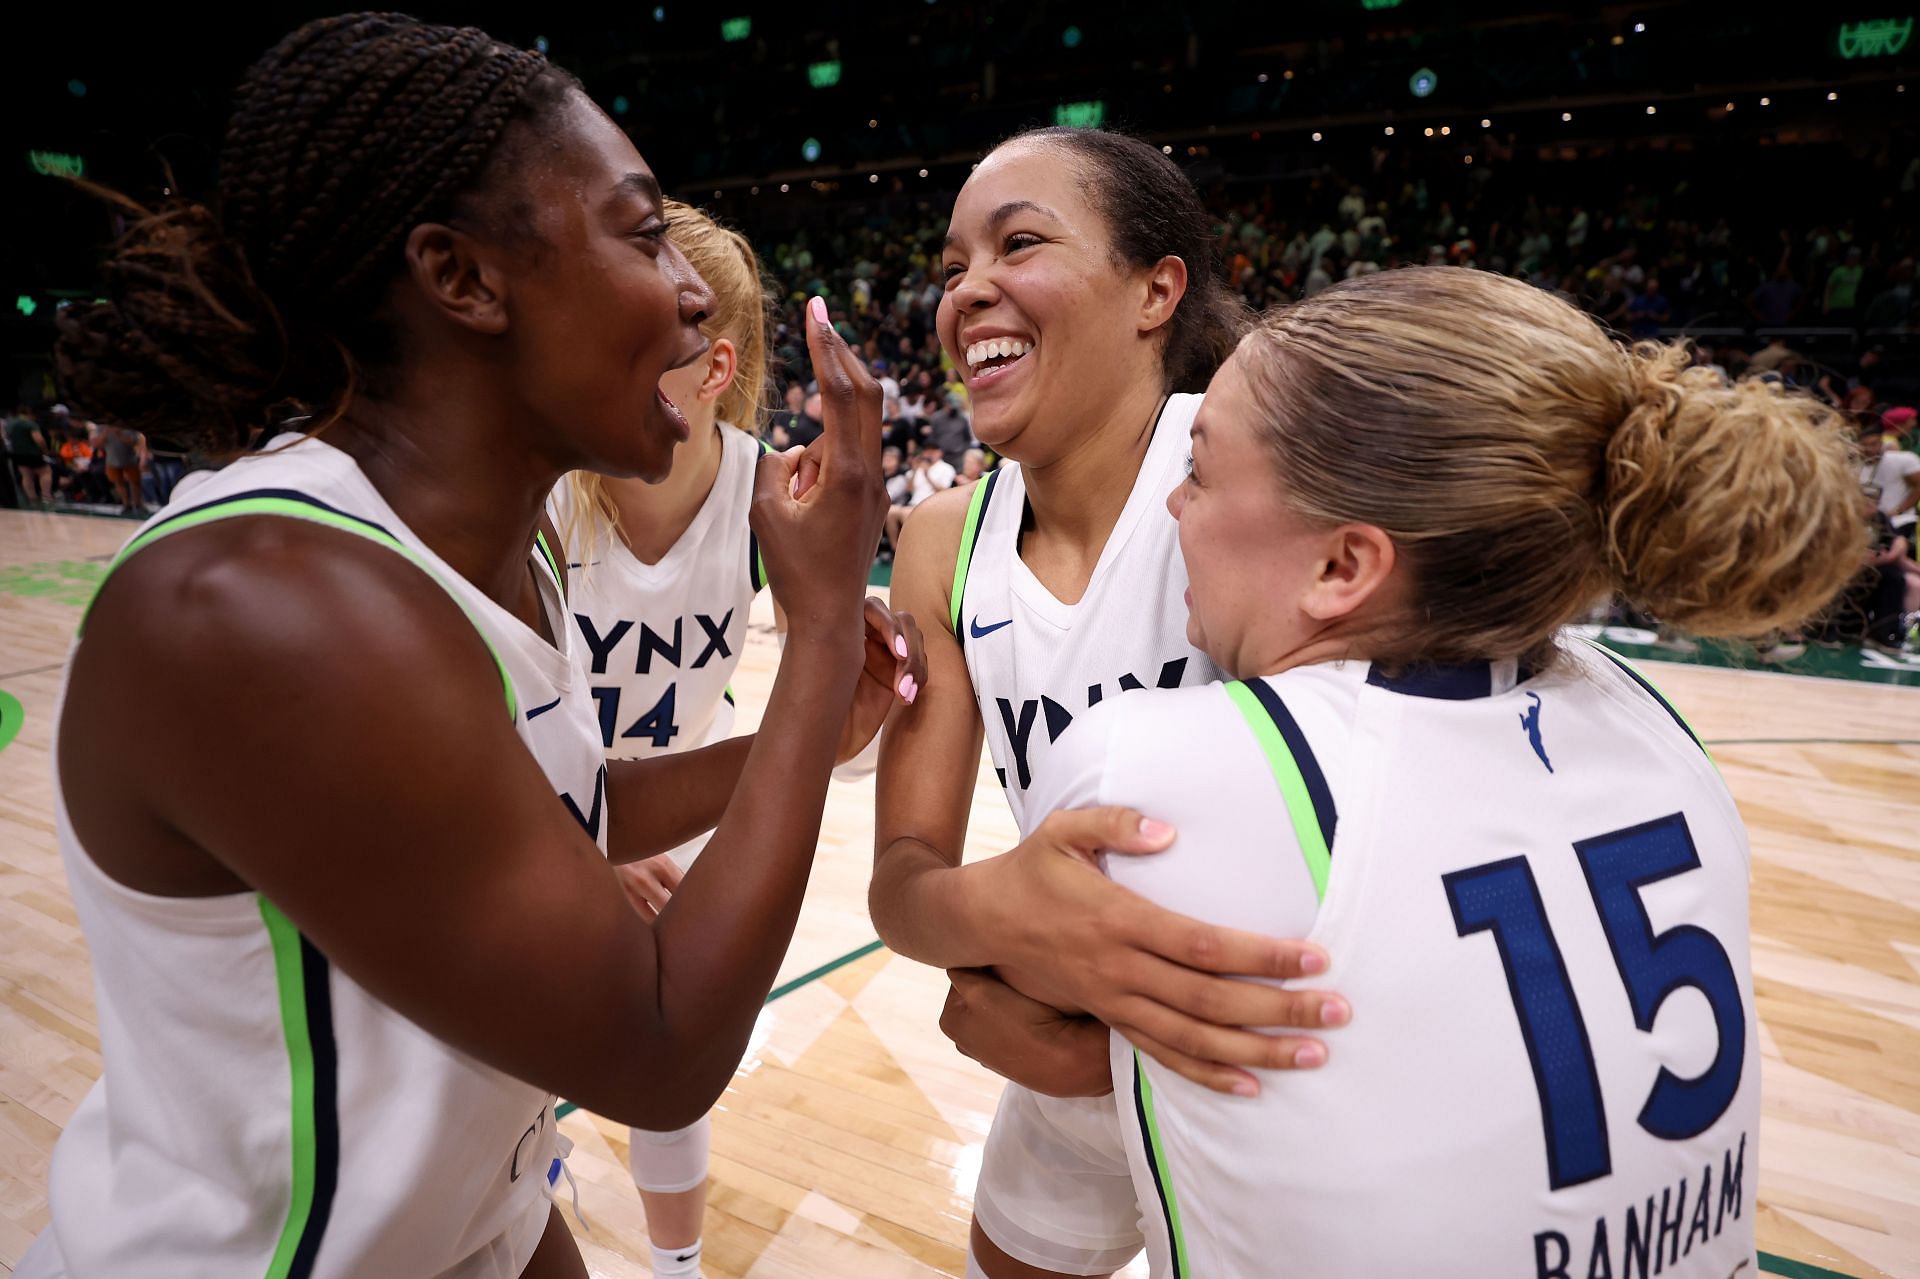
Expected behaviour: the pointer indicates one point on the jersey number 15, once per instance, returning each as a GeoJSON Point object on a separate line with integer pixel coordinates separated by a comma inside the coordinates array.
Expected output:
{"type": "Point", "coordinates": [1503, 898]}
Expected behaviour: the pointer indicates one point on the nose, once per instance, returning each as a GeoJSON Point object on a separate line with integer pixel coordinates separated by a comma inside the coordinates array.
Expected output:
{"type": "Point", "coordinates": [972, 291]}
{"type": "Point", "coordinates": [696, 296]}
{"type": "Point", "coordinates": [1177, 500]}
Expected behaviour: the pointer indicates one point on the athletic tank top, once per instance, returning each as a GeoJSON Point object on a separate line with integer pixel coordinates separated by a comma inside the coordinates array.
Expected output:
{"type": "Point", "coordinates": [260, 1113]}
{"type": "Point", "coordinates": [662, 640]}
{"type": "Point", "coordinates": [1037, 663]}
{"type": "Point", "coordinates": [1534, 891]}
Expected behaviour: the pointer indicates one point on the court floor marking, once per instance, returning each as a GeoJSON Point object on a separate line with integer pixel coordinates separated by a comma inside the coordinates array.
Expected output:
{"type": "Point", "coordinates": [781, 991]}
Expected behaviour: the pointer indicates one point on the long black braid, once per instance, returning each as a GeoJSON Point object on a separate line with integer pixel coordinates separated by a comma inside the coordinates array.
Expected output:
{"type": "Point", "coordinates": [344, 137]}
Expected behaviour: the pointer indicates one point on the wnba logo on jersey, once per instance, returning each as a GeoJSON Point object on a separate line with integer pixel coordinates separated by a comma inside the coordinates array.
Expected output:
{"type": "Point", "coordinates": [657, 725]}
{"type": "Point", "coordinates": [1019, 724]}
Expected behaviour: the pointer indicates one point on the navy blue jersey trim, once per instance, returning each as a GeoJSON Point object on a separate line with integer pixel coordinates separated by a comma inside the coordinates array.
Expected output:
{"type": "Point", "coordinates": [1316, 781]}
{"type": "Point", "coordinates": [1654, 693]}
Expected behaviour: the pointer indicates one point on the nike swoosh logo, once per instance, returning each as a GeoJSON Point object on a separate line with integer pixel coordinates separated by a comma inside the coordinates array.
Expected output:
{"type": "Point", "coordinates": [686, 1256]}
{"type": "Point", "coordinates": [981, 632]}
{"type": "Point", "coordinates": [542, 710]}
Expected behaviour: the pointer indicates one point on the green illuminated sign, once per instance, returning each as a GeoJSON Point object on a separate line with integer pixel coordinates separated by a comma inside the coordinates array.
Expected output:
{"type": "Point", "coordinates": [736, 29]}
{"type": "Point", "coordinates": [1080, 115]}
{"type": "Point", "coordinates": [57, 164]}
{"type": "Point", "coordinates": [1379, 4]}
{"type": "Point", "coordinates": [1874, 38]}
{"type": "Point", "coordinates": [25, 305]}
{"type": "Point", "coordinates": [823, 75]}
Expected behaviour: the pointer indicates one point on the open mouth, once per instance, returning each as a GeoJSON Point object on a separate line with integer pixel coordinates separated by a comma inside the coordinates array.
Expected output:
{"type": "Point", "coordinates": [992, 358]}
{"type": "Point", "coordinates": [675, 418]}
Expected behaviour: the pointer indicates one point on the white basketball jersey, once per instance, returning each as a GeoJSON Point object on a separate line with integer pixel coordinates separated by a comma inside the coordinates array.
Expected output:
{"type": "Point", "coordinates": [662, 640]}
{"type": "Point", "coordinates": [261, 1113]}
{"type": "Point", "coordinates": [1036, 663]}
{"type": "Point", "coordinates": [1535, 895]}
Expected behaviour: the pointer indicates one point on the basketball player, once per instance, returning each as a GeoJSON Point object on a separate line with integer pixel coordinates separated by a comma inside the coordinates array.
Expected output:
{"type": "Point", "coordinates": [661, 578]}
{"type": "Point", "coordinates": [350, 921]}
{"type": "Point", "coordinates": [1519, 851]}
{"type": "Point", "coordinates": [1083, 309]}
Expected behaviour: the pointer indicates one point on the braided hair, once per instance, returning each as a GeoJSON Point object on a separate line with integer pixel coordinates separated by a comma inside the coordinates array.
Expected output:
{"type": "Point", "coordinates": [344, 137]}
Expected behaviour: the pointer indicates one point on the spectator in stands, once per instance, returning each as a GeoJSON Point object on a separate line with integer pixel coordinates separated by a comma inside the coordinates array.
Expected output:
{"type": "Point", "coordinates": [948, 430]}
{"type": "Point", "coordinates": [1891, 477]}
{"type": "Point", "coordinates": [1648, 312]}
{"type": "Point", "coordinates": [1892, 307]}
{"type": "Point", "coordinates": [928, 473]}
{"type": "Point", "coordinates": [1843, 289]}
{"type": "Point", "coordinates": [125, 453]}
{"type": "Point", "coordinates": [27, 449]}
{"type": "Point", "coordinates": [973, 468]}
{"type": "Point", "coordinates": [790, 421]}
{"type": "Point", "coordinates": [1777, 301]}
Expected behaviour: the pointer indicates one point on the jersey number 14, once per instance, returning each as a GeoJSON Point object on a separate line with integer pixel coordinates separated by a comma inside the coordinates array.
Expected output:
{"type": "Point", "coordinates": [1503, 898]}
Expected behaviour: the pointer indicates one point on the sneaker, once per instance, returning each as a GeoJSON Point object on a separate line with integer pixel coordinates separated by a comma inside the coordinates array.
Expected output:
{"type": "Point", "coordinates": [1781, 652]}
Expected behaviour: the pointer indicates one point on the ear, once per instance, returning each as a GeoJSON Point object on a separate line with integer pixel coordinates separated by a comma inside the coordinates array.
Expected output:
{"type": "Point", "coordinates": [456, 280]}
{"type": "Point", "coordinates": [723, 361]}
{"type": "Point", "coordinates": [1166, 285]}
{"type": "Point", "coordinates": [1355, 564]}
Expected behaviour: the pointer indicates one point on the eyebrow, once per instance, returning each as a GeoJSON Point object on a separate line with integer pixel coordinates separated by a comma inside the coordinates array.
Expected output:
{"type": "Point", "coordinates": [1004, 212]}
{"type": "Point", "coordinates": [641, 184]}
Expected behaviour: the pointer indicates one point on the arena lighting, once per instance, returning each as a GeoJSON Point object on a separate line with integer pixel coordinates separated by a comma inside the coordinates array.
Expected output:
{"type": "Point", "coordinates": [621, 105]}
{"type": "Point", "coordinates": [1766, 102]}
{"type": "Point", "coordinates": [1379, 4]}
{"type": "Point", "coordinates": [660, 13]}
{"type": "Point", "coordinates": [923, 173]}
{"type": "Point", "coordinates": [1653, 110]}
{"type": "Point", "coordinates": [1729, 106]}
{"type": "Point", "coordinates": [1262, 77]}
{"type": "Point", "coordinates": [1071, 37]}
{"type": "Point", "coordinates": [539, 44]}
{"type": "Point", "coordinates": [1429, 130]}
{"type": "Point", "coordinates": [1639, 28]}
{"type": "Point", "coordinates": [873, 124]}
{"type": "Point", "coordinates": [736, 29]}
{"type": "Point", "coordinates": [1389, 130]}
{"type": "Point", "coordinates": [1833, 97]}
{"type": "Point", "coordinates": [873, 177]}
{"type": "Point", "coordinates": [78, 88]}
{"type": "Point", "coordinates": [783, 188]}
{"type": "Point", "coordinates": [1316, 137]}
{"type": "Point", "coordinates": [810, 150]}
{"type": "Point", "coordinates": [1566, 116]}
{"type": "Point", "coordinates": [1080, 115]}
{"type": "Point", "coordinates": [1423, 82]}
{"type": "Point", "coordinates": [1163, 151]}
{"type": "Point", "coordinates": [1486, 124]}
{"type": "Point", "coordinates": [25, 305]}
{"type": "Point", "coordinates": [57, 164]}
{"type": "Point", "coordinates": [1446, 130]}
{"type": "Point", "coordinates": [823, 75]}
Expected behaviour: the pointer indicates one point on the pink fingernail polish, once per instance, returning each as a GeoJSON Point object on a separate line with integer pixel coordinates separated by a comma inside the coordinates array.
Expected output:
{"type": "Point", "coordinates": [1335, 1013]}
{"type": "Point", "coordinates": [900, 645]}
{"type": "Point", "coordinates": [817, 308]}
{"type": "Point", "coordinates": [908, 689]}
{"type": "Point", "coordinates": [1310, 1056]}
{"type": "Point", "coordinates": [1313, 962]}
{"type": "Point", "coordinates": [1246, 1088]}
{"type": "Point", "coordinates": [1154, 830]}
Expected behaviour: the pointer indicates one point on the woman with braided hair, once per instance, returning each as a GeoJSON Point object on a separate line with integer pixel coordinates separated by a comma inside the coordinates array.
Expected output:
{"type": "Point", "coordinates": [338, 996]}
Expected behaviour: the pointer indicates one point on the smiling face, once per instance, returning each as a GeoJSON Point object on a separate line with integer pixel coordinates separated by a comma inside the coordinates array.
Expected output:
{"type": "Point", "coordinates": [604, 305]}
{"type": "Point", "coordinates": [1041, 319]}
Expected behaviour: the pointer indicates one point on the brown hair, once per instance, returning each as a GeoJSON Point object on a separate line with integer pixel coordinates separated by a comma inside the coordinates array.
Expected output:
{"type": "Point", "coordinates": [344, 137]}
{"type": "Point", "coordinates": [1525, 465]}
{"type": "Point", "coordinates": [727, 262]}
{"type": "Point", "coordinates": [1152, 211]}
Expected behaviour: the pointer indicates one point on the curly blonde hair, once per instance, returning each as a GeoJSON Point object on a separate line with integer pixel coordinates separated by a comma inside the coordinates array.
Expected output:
{"type": "Point", "coordinates": [1526, 465]}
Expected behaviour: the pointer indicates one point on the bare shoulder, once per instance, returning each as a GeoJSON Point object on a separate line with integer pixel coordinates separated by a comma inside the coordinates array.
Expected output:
{"type": "Point", "coordinates": [929, 545]}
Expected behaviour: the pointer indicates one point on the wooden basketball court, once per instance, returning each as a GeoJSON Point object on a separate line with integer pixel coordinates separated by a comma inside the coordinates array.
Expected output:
{"type": "Point", "coordinates": [850, 1138]}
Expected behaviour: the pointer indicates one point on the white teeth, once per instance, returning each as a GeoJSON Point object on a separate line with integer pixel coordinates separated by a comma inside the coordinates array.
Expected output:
{"type": "Point", "coordinates": [996, 348]}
